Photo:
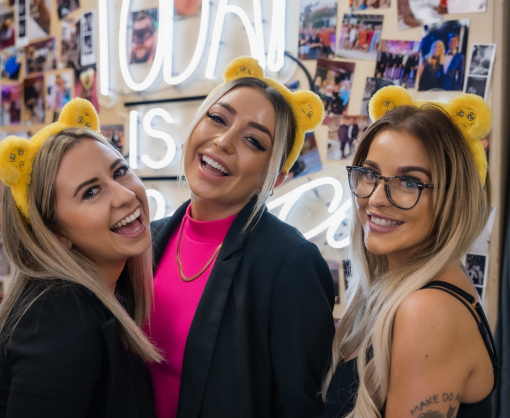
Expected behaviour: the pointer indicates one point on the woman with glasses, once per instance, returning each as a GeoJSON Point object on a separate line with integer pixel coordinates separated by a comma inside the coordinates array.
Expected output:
{"type": "Point", "coordinates": [413, 341]}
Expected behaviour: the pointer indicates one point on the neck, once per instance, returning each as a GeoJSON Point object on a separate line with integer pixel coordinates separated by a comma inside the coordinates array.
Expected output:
{"type": "Point", "coordinates": [202, 210]}
{"type": "Point", "coordinates": [110, 272]}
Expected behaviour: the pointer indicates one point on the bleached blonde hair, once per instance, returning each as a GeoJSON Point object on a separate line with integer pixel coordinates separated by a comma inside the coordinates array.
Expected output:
{"type": "Point", "coordinates": [461, 208]}
{"type": "Point", "coordinates": [429, 56]}
{"type": "Point", "coordinates": [285, 133]}
{"type": "Point", "coordinates": [38, 256]}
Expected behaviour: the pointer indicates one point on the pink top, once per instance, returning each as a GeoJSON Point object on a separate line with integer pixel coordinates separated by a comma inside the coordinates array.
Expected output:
{"type": "Point", "coordinates": [175, 302]}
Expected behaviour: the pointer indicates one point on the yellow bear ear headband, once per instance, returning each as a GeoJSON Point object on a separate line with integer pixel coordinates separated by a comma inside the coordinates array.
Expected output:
{"type": "Point", "coordinates": [306, 106]}
{"type": "Point", "coordinates": [468, 111]}
{"type": "Point", "coordinates": [17, 155]}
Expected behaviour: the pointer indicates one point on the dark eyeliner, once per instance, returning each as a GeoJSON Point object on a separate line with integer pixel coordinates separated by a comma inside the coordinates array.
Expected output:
{"type": "Point", "coordinates": [215, 118]}
{"type": "Point", "coordinates": [256, 143]}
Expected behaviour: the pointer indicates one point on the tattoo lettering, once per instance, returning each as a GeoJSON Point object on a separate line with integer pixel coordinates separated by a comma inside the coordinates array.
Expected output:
{"type": "Point", "coordinates": [431, 414]}
{"type": "Point", "coordinates": [451, 412]}
{"type": "Point", "coordinates": [435, 399]}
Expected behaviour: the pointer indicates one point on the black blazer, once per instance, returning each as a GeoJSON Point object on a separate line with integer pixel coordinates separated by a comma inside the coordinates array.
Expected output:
{"type": "Point", "coordinates": [260, 339]}
{"type": "Point", "coordinates": [65, 360]}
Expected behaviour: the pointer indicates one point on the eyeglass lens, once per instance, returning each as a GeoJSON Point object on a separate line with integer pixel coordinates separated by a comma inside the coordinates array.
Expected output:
{"type": "Point", "coordinates": [404, 192]}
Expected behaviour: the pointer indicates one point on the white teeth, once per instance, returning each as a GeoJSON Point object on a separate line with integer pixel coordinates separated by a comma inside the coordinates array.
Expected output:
{"type": "Point", "coordinates": [128, 219]}
{"type": "Point", "coordinates": [123, 222]}
{"type": "Point", "coordinates": [384, 222]}
{"type": "Point", "coordinates": [214, 164]}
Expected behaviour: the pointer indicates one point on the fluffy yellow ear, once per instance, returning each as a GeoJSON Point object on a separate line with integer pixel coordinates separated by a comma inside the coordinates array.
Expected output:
{"type": "Point", "coordinates": [387, 99]}
{"type": "Point", "coordinates": [80, 113]}
{"type": "Point", "coordinates": [14, 154]}
{"type": "Point", "coordinates": [472, 115]}
{"type": "Point", "coordinates": [311, 107]}
{"type": "Point", "coordinates": [243, 67]}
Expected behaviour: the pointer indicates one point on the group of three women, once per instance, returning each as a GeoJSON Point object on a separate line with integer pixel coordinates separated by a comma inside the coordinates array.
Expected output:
{"type": "Point", "coordinates": [236, 320]}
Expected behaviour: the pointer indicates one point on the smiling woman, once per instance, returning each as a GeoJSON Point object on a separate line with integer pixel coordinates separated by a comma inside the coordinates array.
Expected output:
{"type": "Point", "coordinates": [73, 217]}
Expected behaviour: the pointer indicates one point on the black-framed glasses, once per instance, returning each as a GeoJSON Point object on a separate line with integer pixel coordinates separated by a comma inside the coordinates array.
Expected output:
{"type": "Point", "coordinates": [402, 191]}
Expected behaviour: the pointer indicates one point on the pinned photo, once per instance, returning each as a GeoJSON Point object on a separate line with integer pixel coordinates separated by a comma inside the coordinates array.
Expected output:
{"type": "Point", "coordinates": [333, 85]}
{"type": "Point", "coordinates": [372, 86]}
{"type": "Point", "coordinates": [317, 29]}
{"type": "Point", "coordinates": [443, 56]}
{"type": "Point", "coordinates": [114, 134]}
{"type": "Point", "coordinates": [476, 267]}
{"type": "Point", "coordinates": [360, 36]}
{"type": "Point", "coordinates": [11, 59]}
{"type": "Point", "coordinates": [7, 32]}
{"type": "Point", "coordinates": [358, 5]}
{"type": "Point", "coordinates": [466, 6]}
{"type": "Point", "coordinates": [86, 85]}
{"type": "Point", "coordinates": [70, 56]}
{"type": "Point", "coordinates": [59, 88]}
{"type": "Point", "coordinates": [41, 56]}
{"type": "Point", "coordinates": [64, 7]}
{"type": "Point", "coordinates": [343, 132]}
{"type": "Point", "coordinates": [11, 105]}
{"type": "Point", "coordinates": [88, 39]}
{"type": "Point", "coordinates": [398, 61]}
{"type": "Point", "coordinates": [309, 160]}
{"type": "Point", "coordinates": [415, 13]}
{"type": "Point", "coordinates": [480, 69]}
{"type": "Point", "coordinates": [39, 21]}
{"type": "Point", "coordinates": [183, 8]}
{"type": "Point", "coordinates": [144, 36]}
{"type": "Point", "coordinates": [33, 100]}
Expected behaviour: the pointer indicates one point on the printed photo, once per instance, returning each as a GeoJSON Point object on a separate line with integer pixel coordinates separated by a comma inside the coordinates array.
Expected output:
{"type": "Point", "coordinates": [372, 86]}
{"type": "Point", "coordinates": [11, 105]}
{"type": "Point", "coordinates": [71, 44]}
{"type": "Point", "coordinates": [7, 32]}
{"type": "Point", "coordinates": [33, 99]}
{"type": "Point", "coordinates": [477, 85]}
{"type": "Point", "coordinates": [358, 5]}
{"type": "Point", "coordinates": [21, 28]}
{"type": "Point", "coordinates": [183, 8]}
{"type": "Point", "coordinates": [41, 56]}
{"type": "Point", "coordinates": [360, 36]}
{"type": "Point", "coordinates": [144, 36]}
{"type": "Point", "coordinates": [64, 7]}
{"type": "Point", "coordinates": [40, 19]}
{"type": "Point", "coordinates": [343, 132]}
{"type": "Point", "coordinates": [476, 266]}
{"type": "Point", "coordinates": [398, 61]}
{"type": "Point", "coordinates": [293, 85]}
{"type": "Point", "coordinates": [11, 59]}
{"type": "Point", "coordinates": [86, 85]}
{"type": "Point", "coordinates": [414, 13]}
{"type": "Point", "coordinates": [88, 41]}
{"type": "Point", "coordinates": [333, 85]}
{"type": "Point", "coordinates": [480, 69]}
{"type": "Point", "coordinates": [317, 29]}
{"type": "Point", "coordinates": [309, 161]}
{"type": "Point", "coordinates": [466, 6]}
{"type": "Point", "coordinates": [443, 56]}
{"type": "Point", "coordinates": [59, 88]}
{"type": "Point", "coordinates": [115, 134]}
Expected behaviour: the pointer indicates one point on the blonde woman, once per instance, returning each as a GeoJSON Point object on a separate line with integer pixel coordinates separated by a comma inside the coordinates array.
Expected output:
{"type": "Point", "coordinates": [70, 342]}
{"type": "Point", "coordinates": [413, 341]}
{"type": "Point", "coordinates": [431, 70]}
{"type": "Point", "coordinates": [242, 301]}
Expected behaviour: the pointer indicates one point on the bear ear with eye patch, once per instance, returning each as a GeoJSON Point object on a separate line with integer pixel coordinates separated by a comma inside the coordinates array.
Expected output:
{"type": "Point", "coordinates": [387, 99]}
{"type": "Point", "coordinates": [243, 67]}
{"type": "Point", "coordinates": [80, 113]}
{"type": "Point", "coordinates": [472, 115]}
{"type": "Point", "coordinates": [311, 108]}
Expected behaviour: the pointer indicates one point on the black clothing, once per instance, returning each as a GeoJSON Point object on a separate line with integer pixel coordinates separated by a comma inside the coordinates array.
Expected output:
{"type": "Point", "coordinates": [344, 384]}
{"type": "Point", "coordinates": [261, 336]}
{"type": "Point", "coordinates": [64, 359]}
{"type": "Point", "coordinates": [432, 76]}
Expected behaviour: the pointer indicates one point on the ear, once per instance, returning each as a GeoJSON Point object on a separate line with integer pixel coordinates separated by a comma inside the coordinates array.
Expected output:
{"type": "Point", "coordinates": [79, 113]}
{"type": "Point", "coordinates": [387, 99]}
{"type": "Point", "coordinates": [472, 115]}
{"type": "Point", "coordinates": [66, 242]}
{"type": "Point", "coordinates": [243, 67]}
{"type": "Point", "coordinates": [15, 152]}
{"type": "Point", "coordinates": [312, 110]}
{"type": "Point", "coordinates": [280, 179]}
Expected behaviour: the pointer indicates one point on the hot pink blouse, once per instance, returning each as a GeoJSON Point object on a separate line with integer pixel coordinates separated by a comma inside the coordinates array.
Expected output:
{"type": "Point", "coordinates": [175, 302]}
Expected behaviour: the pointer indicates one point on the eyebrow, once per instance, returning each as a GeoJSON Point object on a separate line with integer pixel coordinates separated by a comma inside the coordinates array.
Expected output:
{"type": "Point", "coordinates": [85, 183]}
{"type": "Point", "coordinates": [402, 170]}
{"type": "Point", "coordinates": [114, 164]}
{"type": "Point", "coordinates": [227, 107]}
{"type": "Point", "coordinates": [261, 128]}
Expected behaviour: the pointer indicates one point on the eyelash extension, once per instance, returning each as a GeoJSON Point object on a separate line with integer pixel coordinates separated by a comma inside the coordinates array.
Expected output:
{"type": "Point", "coordinates": [215, 118]}
{"type": "Point", "coordinates": [256, 143]}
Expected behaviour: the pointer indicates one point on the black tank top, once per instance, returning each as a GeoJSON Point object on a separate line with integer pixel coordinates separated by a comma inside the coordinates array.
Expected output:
{"type": "Point", "coordinates": [342, 390]}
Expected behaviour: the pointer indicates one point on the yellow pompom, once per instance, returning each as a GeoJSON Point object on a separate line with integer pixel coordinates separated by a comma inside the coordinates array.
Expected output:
{"type": "Point", "coordinates": [243, 67]}
{"type": "Point", "coordinates": [472, 115]}
{"type": "Point", "coordinates": [15, 160]}
{"type": "Point", "coordinates": [387, 99]}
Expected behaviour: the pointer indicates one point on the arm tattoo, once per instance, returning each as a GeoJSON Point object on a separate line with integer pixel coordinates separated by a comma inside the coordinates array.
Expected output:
{"type": "Point", "coordinates": [446, 397]}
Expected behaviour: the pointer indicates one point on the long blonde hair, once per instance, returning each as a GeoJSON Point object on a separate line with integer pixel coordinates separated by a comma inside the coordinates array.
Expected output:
{"type": "Point", "coordinates": [430, 55]}
{"type": "Point", "coordinates": [38, 256]}
{"type": "Point", "coordinates": [460, 210]}
{"type": "Point", "coordinates": [285, 133]}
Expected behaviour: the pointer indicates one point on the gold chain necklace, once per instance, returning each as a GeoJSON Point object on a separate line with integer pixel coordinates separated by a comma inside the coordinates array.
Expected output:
{"type": "Point", "coordinates": [189, 279]}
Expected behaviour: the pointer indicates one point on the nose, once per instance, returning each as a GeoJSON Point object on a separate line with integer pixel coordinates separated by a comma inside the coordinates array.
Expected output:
{"type": "Point", "coordinates": [226, 141]}
{"type": "Point", "coordinates": [379, 197]}
{"type": "Point", "coordinates": [121, 196]}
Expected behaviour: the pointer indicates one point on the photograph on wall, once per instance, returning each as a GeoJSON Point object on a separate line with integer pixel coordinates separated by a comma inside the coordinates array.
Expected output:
{"type": "Point", "coordinates": [360, 36]}
{"type": "Point", "coordinates": [357, 5]}
{"type": "Point", "coordinates": [372, 86]}
{"type": "Point", "coordinates": [466, 6]}
{"type": "Point", "coordinates": [21, 22]}
{"type": "Point", "coordinates": [443, 56]}
{"type": "Point", "coordinates": [343, 132]}
{"type": "Point", "coordinates": [70, 56]}
{"type": "Point", "coordinates": [185, 8]}
{"type": "Point", "coordinates": [309, 160]}
{"type": "Point", "coordinates": [415, 13]}
{"type": "Point", "coordinates": [317, 29]}
{"type": "Point", "coordinates": [64, 7]}
{"type": "Point", "coordinates": [33, 100]}
{"type": "Point", "coordinates": [59, 88]}
{"type": "Point", "coordinates": [333, 83]}
{"type": "Point", "coordinates": [88, 39]}
{"type": "Point", "coordinates": [11, 105]}
{"type": "Point", "coordinates": [41, 56]}
{"type": "Point", "coordinates": [86, 85]}
{"type": "Point", "coordinates": [115, 134]}
{"type": "Point", "coordinates": [476, 266]}
{"type": "Point", "coordinates": [480, 69]}
{"type": "Point", "coordinates": [11, 59]}
{"type": "Point", "coordinates": [144, 36]}
{"type": "Point", "coordinates": [39, 20]}
{"type": "Point", "coordinates": [7, 31]}
{"type": "Point", "coordinates": [398, 61]}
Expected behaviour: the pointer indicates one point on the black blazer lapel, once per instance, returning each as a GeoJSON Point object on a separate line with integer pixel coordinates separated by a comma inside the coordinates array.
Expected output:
{"type": "Point", "coordinates": [201, 340]}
